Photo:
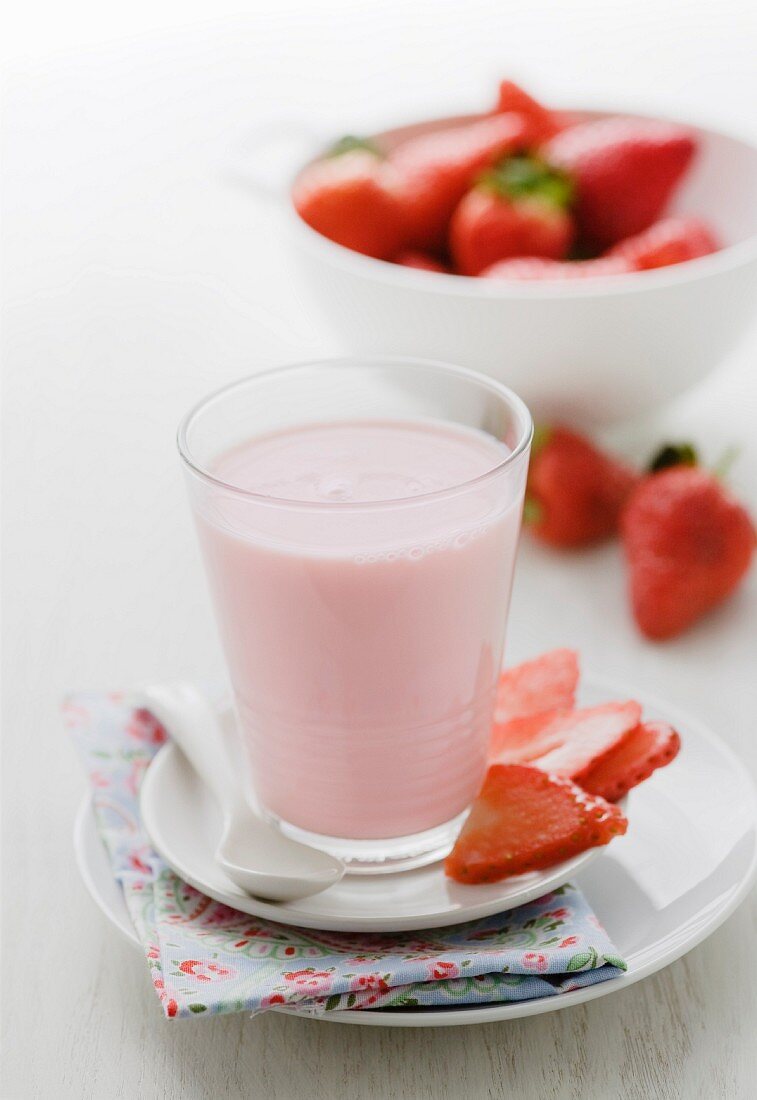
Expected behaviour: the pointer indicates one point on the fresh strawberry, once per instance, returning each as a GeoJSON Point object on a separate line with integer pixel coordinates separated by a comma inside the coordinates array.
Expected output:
{"type": "Point", "coordinates": [670, 241]}
{"type": "Point", "coordinates": [420, 260]}
{"type": "Point", "coordinates": [542, 123]}
{"type": "Point", "coordinates": [524, 820]}
{"type": "Point", "coordinates": [351, 198]}
{"type": "Point", "coordinates": [546, 683]}
{"type": "Point", "coordinates": [563, 738]}
{"type": "Point", "coordinates": [625, 171]}
{"type": "Point", "coordinates": [575, 492]}
{"type": "Point", "coordinates": [650, 746]}
{"type": "Point", "coordinates": [517, 209]}
{"type": "Point", "coordinates": [437, 168]}
{"type": "Point", "coordinates": [688, 543]}
{"type": "Point", "coordinates": [595, 732]}
{"type": "Point", "coordinates": [536, 269]}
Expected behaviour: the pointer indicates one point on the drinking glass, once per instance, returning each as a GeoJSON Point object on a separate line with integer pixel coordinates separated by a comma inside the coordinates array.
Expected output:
{"type": "Point", "coordinates": [364, 638]}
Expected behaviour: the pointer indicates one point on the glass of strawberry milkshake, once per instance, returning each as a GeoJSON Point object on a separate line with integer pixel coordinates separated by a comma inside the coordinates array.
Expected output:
{"type": "Point", "coordinates": [359, 523]}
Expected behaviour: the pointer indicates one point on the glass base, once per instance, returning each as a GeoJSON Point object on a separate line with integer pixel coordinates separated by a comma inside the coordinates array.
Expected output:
{"type": "Point", "coordinates": [381, 857]}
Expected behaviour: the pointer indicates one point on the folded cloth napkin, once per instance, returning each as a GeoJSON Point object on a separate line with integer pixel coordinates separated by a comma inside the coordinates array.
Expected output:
{"type": "Point", "coordinates": [206, 958]}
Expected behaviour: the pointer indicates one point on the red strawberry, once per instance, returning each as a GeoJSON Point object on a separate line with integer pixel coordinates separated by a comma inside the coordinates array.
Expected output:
{"type": "Point", "coordinates": [594, 733]}
{"type": "Point", "coordinates": [420, 260]}
{"type": "Point", "coordinates": [575, 492]}
{"type": "Point", "coordinates": [351, 198]}
{"type": "Point", "coordinates": [625, 171]}
{"type": "Point", "coordinates": [436, 169]}
{"type": "Point", "coordinates": [670, 241]}
{"type": "Point", "coordinates": [517, 209]}
{"type": "Point", "coordinates": [545, 683]}
{"type": "Point", "coordinates": [650, 746]}
{"type": "Point", "coordinates": [688, 544]}
{"type": "Point", "coordinates": [561, 738]}
{"type": "Point", "coordinates": [524, 820]}
{"type": "Point", "coordinates": [535, 269]}
{"type": "Point", "coordinates": [542, 124]}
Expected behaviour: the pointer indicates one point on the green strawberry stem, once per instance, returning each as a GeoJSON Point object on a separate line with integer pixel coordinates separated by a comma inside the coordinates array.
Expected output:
{"type": "Point", "coordinates": [533, 512]}
{"type": "Point", "coordinates": [524, 177]}
{"type": "Point", "coordinates": [673, 454]}
{"type": "Point", "coordinates": [684, 454]}
{"type": "Point", "coordinates": [722, 467]}
{"type": "Point", "coordinates": [542, 436]}
{"type": "Point", "coordinates": [349, 143]}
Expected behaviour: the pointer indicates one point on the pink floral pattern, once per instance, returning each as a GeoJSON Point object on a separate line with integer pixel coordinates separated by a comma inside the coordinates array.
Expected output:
{"type": "Point", "coordinates": [206, 958]}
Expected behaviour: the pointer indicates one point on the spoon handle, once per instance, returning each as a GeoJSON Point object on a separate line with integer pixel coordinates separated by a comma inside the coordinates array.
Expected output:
{"type": "Point", "coordinates": [191, 721]}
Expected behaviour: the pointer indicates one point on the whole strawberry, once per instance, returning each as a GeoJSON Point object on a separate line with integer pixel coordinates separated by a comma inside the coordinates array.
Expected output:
{"type": "Point", "coordinates": [436, 169]}
{"type": "Point", "coordinates": [537, 269]}
{"type": "Point", "coordinates": [542, 123]}
{"type": "Point", "coordinates": [688, 543]}
{"type": "Point", "coordinates": [625, 171]}
{"type": "Point", "coordinates": [350, 196]}
{"type": "Point", "coordinates": [575, 492]}
{"type": "Point", "coordinates": [421, 261]}
{"type": "Point", "coordinates": [519, 208]}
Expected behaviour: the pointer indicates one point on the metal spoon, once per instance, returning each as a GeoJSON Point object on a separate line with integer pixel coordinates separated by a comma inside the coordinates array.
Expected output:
{"type": "Point", "coordinates": [254, 854]}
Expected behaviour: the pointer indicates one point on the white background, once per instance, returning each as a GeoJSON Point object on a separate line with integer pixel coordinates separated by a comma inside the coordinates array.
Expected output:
{"type": "Point", "coordinates": [135, 279]}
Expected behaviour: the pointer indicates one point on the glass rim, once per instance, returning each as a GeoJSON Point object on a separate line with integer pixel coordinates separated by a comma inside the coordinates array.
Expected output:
{"type": "Point", "coordinates": [498, 389]}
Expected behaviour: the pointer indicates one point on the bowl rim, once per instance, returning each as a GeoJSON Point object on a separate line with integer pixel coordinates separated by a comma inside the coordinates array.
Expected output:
{"type": "Point", "coordinates": [729, 258]}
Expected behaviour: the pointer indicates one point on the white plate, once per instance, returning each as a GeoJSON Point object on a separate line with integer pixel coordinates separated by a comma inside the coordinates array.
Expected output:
{"type": "Point", "coordinates": [688, 860]}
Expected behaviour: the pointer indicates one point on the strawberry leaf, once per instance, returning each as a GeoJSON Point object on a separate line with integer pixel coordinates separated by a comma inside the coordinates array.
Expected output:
{"type": "Point", "coordinates": [529, 178]}
{"type": "Point", "coordinates": [349, 143]}
{"type": "Point", "coordinates": [673, 454]}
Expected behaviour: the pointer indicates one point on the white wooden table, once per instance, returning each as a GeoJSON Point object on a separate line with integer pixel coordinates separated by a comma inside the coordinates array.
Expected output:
{"type": "Point", "coordinates": [137, 281]}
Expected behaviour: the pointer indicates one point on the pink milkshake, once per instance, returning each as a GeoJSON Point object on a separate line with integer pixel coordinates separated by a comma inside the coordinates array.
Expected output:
{"type": "Point", "coordinates": [361, 572]}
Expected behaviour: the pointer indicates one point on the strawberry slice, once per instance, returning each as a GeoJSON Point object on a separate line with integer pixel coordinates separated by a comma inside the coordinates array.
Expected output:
{"type": "Point", "coordinates": [563, 741]}
{"type": "Point", "coordinates": [524, 820]}
{"type": "Point", "coordinates": [595, 732]}
{"type": "Point", "coordinates": [546, 683]}
{"type": "Point", "coordinates": [650, 746]}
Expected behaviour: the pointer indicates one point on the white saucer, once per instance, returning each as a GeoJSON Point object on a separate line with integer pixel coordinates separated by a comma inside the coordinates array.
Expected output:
{"type": "Point", "coordinates": [184, 826]}
{"type": "Point", "coordinates": [688, 860]}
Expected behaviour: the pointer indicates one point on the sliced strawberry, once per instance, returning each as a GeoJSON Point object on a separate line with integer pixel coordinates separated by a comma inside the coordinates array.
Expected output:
{"type": "Point", "coordinates": [545, 683]}
{"type": "Point", "coordinates": [567, 740]}
{"type": "Point", "coordinates": [524, 820]}
{"type": "Point", "coordinates": [650, 746]}
{"type": "Point", "coordinates": [595, 733]}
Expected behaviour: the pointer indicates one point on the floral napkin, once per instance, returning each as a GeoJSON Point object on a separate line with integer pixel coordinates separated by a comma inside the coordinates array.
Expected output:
{"type": "Point", "coordinates": [206, 958]}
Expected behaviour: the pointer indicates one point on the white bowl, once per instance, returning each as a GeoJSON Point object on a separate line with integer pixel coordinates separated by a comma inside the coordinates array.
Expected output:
{"type": "Point", "coordinates": [595, 351]}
